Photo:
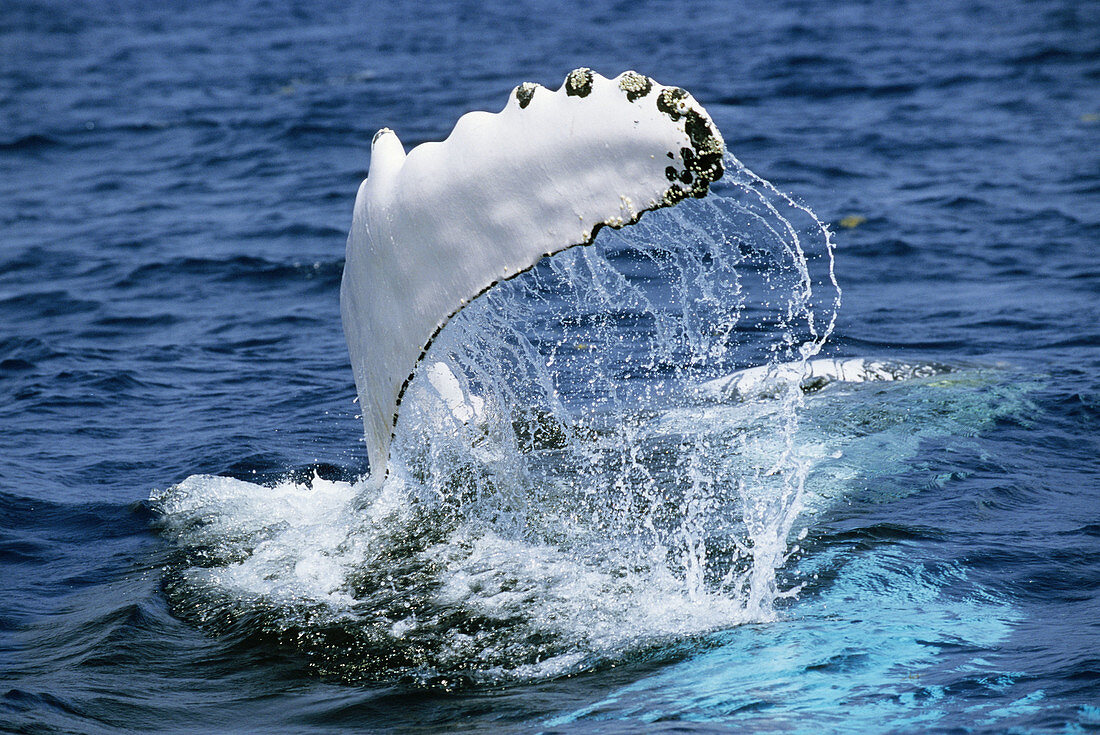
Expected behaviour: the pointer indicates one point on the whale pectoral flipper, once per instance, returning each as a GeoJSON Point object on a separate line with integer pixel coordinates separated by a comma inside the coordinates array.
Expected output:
{"type": "Point", "coordinates": [434, 229]}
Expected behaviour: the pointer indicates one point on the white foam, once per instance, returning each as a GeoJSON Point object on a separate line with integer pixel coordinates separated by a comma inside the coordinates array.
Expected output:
{"type": "Point", "coordinates": [299, 546]}
{"type": "Point", "coordinates": [290, 542]}
{"type": "Point", "coordinates": [400, 581]}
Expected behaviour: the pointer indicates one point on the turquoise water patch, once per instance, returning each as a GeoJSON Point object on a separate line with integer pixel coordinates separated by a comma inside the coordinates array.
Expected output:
{"type": "Point", "coordinates": [884, 642]}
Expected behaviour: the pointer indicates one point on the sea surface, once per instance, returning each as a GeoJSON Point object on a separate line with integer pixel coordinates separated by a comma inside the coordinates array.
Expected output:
{"type": "Point", "coordinates": [186, 545]}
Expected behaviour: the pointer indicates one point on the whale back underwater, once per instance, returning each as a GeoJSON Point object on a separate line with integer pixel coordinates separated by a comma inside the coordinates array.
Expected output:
{"type": "Point", "coordinates": [666, 478]}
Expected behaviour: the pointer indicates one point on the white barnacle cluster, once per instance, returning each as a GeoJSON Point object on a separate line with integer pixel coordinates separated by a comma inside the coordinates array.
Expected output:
{"type": "Point", "coordinates": [627, 205]}
{"type": "Point", "coordinates": [677, 103]}
{"type": "Point", "coordinates": [635, 85]}
{"type": "Point", "coordinates": [525, 92]}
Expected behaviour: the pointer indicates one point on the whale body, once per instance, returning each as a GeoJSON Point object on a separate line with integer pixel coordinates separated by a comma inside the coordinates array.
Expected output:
{"type": "Point", "coordinates": [437, 227]}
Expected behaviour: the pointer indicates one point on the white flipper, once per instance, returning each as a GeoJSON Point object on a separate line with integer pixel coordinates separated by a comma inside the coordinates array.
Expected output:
{"type": "Point", "coordinates": [770, 381]}
{"type": "Point", "coordinates": [436, 228]}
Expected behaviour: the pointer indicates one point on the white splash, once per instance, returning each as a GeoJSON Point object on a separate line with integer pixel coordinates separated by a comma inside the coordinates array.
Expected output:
{"type": "Point", "coordinates": [556, 495]}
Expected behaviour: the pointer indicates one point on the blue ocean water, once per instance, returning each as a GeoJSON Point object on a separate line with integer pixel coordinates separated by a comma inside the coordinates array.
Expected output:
{"type": "Point", "coordinates": [176, 188]}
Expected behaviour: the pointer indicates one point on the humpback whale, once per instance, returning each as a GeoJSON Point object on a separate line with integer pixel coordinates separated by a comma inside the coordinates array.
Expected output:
{"type": "Point", "coordinates": [438, 226]}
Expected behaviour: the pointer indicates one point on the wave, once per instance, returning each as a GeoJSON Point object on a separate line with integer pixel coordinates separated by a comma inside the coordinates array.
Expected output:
{"type": "Point", "coordinates": [30, 142]}
{"type": "Point", "coordinates": [240, 268]}
{"type": "Point", "coordinates": [47, 304]}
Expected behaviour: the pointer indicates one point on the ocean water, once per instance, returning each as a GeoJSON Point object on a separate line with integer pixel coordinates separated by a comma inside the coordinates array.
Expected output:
{"type": "Point", "coordinates": [625, 540]}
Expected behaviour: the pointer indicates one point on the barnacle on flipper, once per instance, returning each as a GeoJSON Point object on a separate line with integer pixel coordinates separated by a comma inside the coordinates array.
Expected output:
{"type": "Point", "coordinates": [525, 92]}
{"type": "Point", "coordinates": [579, 82]}
{"type": "Point", "coordinates": [635, 85]}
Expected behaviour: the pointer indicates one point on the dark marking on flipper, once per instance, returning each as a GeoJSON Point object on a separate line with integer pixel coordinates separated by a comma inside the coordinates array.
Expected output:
{"type": "Point", "coordinates": [525, 92]}
{"type": "Point", "coordinates": [668, 102]}
{"type": "Point", "coordinates": [675, 194]}
{"type": "Point", "coordinates": [703, 160]}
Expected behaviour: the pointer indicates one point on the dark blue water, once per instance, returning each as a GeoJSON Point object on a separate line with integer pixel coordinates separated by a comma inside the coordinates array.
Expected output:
{"type": "Point", "coordinates": [176, 184]}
